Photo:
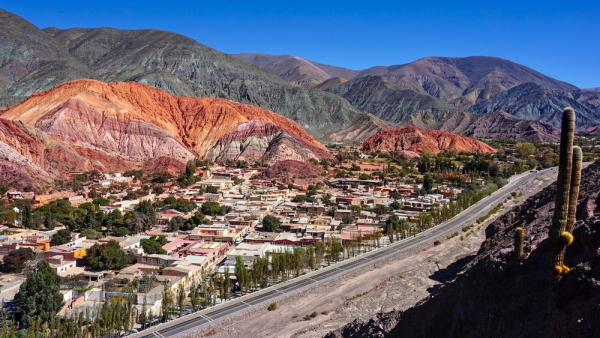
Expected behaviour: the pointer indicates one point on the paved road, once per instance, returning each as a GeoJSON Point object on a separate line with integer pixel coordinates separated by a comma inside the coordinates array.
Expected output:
{"type": "Point", "coordinates": [194, 321]}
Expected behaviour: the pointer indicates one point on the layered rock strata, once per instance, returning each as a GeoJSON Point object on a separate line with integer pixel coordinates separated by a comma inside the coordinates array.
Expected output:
{"type": "Point", "coordinates": [415, 139]}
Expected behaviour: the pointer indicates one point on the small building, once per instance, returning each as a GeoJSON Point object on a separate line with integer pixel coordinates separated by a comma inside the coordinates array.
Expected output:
{"type": "Point", "coordinates": [59, 264]}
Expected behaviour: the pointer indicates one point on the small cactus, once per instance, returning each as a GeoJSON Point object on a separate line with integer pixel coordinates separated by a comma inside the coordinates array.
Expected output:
{"type": "Point", "coordinates": [519, 236]}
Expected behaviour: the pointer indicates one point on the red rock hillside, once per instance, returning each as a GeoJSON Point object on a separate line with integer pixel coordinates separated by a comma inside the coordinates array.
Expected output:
{"type": "Point", "coordinates": [138, 119]}
{"type": "Point", "coordinates": [291, 171]}
{"type": "Point", "coordinates": [415, 139]}
{"type": "Point", "coordinates": [264, 142]}
{"type": "Point", "coordinates": [592, 130]}
{"type": "Point", "coordinates": [29, 157]}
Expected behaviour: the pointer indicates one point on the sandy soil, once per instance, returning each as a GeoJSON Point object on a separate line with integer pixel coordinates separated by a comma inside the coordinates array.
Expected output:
{"type": "Point", "coordinates": [399, 284]}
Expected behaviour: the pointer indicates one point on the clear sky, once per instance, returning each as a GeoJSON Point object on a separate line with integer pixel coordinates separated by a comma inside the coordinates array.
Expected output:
{"type": "Point", "coordinates": [558, 38]}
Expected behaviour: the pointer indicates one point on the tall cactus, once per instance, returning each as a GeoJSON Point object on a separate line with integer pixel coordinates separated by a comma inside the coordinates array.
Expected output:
{"type": "Point", "coordinates": [519, 236]}
{"type": "Point", "coordinates": [563, 184]}
{"type": "Point", "coordinates": [574, 190]}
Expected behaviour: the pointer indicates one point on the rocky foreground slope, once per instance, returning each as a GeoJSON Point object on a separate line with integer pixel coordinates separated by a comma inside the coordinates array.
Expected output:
{"type": "Point", "coordinates": [497, 296]}
{"type": "Point", "coordinates": [416, 140]}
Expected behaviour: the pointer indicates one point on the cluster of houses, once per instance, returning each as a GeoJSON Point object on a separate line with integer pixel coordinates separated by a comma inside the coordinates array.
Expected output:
{"type": "Point", "coordinates": [215, 246]}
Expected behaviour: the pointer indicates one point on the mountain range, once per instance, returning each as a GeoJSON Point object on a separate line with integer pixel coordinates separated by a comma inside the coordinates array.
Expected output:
{"type": "Point", "coordinates": [33, 60]}
{"type": "Point", "coordinates": [478, 84]}
{"type": "Point", "coordinates": [323, 99]}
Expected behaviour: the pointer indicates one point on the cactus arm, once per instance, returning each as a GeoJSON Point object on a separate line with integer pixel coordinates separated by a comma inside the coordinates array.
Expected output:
{"type": "Point", "coordinates": [574, 189]}
{"type": "Point", "coordinates": [519, 236]}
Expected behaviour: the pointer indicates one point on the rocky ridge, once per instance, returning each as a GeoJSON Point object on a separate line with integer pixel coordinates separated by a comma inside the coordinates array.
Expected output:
{"type": "Point", "coordinates": [387, 101]}
{"type": "Point", "coordinates": [296, 70]}
{"type": "Point", "coordinates": [263, 142]}
{"type": "Point", "coordinates": [592, 130]}
{"type": "Point", "coordinates": [292, 171]}
{"type": "Point", "coordinates": [195, 122]}
{"type": "Point", "coordinates": [536, 101]}
{"type": "Point", "coordinates": [416, 140]}
{"type": "Point", "coordinates": [361, 128]}
{"type": "Point", "coordinates": [490, 125]}
{"type": "Point", "coordinates": [33, 60]}
{"type": "Point", "coordinates": [119, 126]}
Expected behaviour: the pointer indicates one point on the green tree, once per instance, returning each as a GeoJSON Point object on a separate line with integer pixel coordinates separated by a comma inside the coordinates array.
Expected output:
{"type": "Point", "coordinates": [107, 256]}
{"type": "Point", "coordinates": [271, 224]}
{"type": "Point", "coordinates": [212, 190]}
{"type": "Point", "coordinates": [380, 210]}
{"type": "Point", "coordinates": [101, 201]}
{"type": "Point", "coordinates": [89, 233]}
{"type": "Point", "coordinates": [16, 260]}
{"type": "Point", "coordinates": [327, 199]}
{"type": "Point", "coordinates": [176, 223]}
{"type": "Point", "coordinates": [525, 150]}
{"type": "Point", "coordinates": [355, 208]}
{"type": "Point", "coordinates": [152, 245]}
{"type": "Point", "coordinates": [211, 208]}
{"type": "Point", "coordinates": [168, 302]}
{"type": "Point", "coordinates": [226, 284]}
{"type": "Point", "coordinates": [49, 222]}
{"type": "Point", "coordinates": [180, 298]}
{"type": "Point", "coordinates": [121, 232]}
{"type": "Point", "coordinates": [144, 314]}
{"type": "Point", "coordinates": [27, 217]}
{"type": "Point", "coordinates": [61, 237]}
{"type": "Point", "coordinates": [89, 221]}
{"type": "Point", "coordinates": [427, 183]}
{"type": "Point", "coordinates": [347, 219]}
{"type": "Point", "coordinates": [194, 295]}
{"type": "Point", "coordinates": [146, 208]}
{"type": "Point", "coordinates": [113, 220]}
{"type": "Point", "coordinates": [241, 273]}
{"type": "Point", "coordinates": [39, 295]}
{"type": "Point", "coordinates": [158, 190]}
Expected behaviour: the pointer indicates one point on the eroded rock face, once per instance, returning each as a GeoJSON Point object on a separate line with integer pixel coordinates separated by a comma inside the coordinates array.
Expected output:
{"type": "Point", "coordinates": [284, 171]}
{"type": "Point", "coordinates": [29, 157]}
{"type": "Point", "coordinates": [415, 139]}
{"type": "Point", "coordinates": [592, 130]}
{"type": "Point", "coordinates": [264, 142]}
{"type": "Point", "coordinates": [87, 124]}
{"type": "Point", "coordinates": [490, 125]}
{"type": "Point", "coordinates": [77, 121]}
{"type": "Point", "coordinates": [195, 122]}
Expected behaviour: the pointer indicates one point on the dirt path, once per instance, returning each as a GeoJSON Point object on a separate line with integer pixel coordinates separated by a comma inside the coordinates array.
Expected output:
{"type": "Point", "coordinates": [399, 284]}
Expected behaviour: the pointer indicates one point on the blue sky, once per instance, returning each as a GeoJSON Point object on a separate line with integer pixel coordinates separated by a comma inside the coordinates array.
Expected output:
{"type": "Point", "coordinates": [558, 38]}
